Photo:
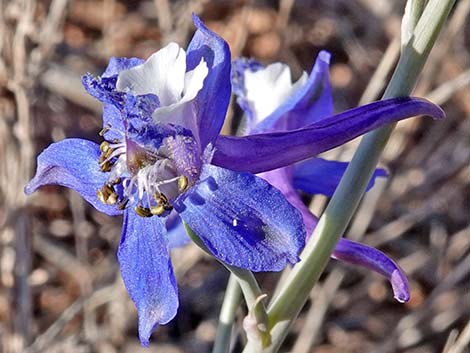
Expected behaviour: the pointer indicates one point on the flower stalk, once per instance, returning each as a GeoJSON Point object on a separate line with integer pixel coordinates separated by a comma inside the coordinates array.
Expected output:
{"type": "Point", "coordinates": [248, 284]}
{"type": "Point", "coordinates": [286, 306]}
{"type": "Point", "coordinates": [227, 315]}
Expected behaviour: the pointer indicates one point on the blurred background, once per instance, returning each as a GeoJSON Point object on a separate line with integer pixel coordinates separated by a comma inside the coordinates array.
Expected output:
{"type": "Point", "coordinates": [60, 288]}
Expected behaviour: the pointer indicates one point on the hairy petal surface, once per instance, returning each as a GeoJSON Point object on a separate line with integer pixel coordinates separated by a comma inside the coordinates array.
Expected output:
{"type": "Point", "coordinates": [262, 152]}
{"type": "Point", "coordinates": [243, 220]}
{"type": "Point", "coordinates": [210, 104]}
{"type": "Point", "coordinates": [375, 260]}
{"type": "Point", "coordinates": [147, 272]}
{"type": "Point", "coordinates": [72, 163]}
{"type": "Point", "coordinates": [320, 176]}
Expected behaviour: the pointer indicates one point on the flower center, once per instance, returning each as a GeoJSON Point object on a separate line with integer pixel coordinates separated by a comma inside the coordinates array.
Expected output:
{"type": "Point", "coordinates": [148, 178]}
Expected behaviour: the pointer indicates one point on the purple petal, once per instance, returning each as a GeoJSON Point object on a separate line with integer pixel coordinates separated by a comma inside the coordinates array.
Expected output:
{"type": "Point", "coordinates": [212, 100]}
{"type": "Point", "coordinates": [375, 260]}
{"type": "Point", "coordinates": [147, 272]}
{"type": "Point", "coordinates": [243, 221]}
{"type": "Point", "coordinates": [309, 104]}
{"type": "Point", "coordinates": [258, 153]}
{"type": "Point", "coordinates": [320, 176]}
{"type": "Point", "coordinates": [73, 163]}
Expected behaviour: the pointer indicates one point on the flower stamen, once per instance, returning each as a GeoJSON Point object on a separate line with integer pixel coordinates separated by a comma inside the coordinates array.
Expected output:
{"type": "Point", "coordinates": [158, 210]}
{"type": "Point", "coordinates": [107, 194]}
{"type": "Point", "coordinates": [104, 146]}
{"type": "Point", "coordinates": [183, 183]}
{"type": "Point", "coordinates": [104, 130]}
{"type": "Point", "coordinates": [143, 211]}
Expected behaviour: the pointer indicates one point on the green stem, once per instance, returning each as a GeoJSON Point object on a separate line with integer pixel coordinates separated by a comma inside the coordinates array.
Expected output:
{"type": "Point", "coordinates": [287, 305]}
{"type": "Point", "coordinates": [413, 11]}
{"type": "Point", "coordinates": [227, 316]}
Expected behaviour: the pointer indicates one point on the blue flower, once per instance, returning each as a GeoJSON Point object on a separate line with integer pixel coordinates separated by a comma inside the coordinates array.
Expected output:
{"type": "Point", "coordinates": [291, 106]}
{"type": "Point", "coordinates": [162, 158]}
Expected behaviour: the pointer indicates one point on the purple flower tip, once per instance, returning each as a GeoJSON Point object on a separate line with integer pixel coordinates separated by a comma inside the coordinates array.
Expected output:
{"type": "Point", "coordinates": [400, 286]}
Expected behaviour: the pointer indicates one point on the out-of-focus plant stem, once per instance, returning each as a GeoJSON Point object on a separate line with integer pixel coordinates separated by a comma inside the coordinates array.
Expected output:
{"type": "Point", "coordinates": [287, 305]}
{"type": "Point", "coordinates": [227, 315]}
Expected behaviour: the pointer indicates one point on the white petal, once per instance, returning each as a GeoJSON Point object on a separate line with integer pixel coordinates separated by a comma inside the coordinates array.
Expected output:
{"type": "Point", "coordinates": [194, 80]}
{"type": "Point", "coordinates": [300, 82]}
{"type": "Point", "coordinates": [268, 88]}
{"type": "Point", "coordinates": [181, 112]}
{"type": "Point", "coordinates": [163, 74]}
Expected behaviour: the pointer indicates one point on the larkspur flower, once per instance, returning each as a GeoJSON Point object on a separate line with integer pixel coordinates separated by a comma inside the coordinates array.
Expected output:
{"type": "Point", "coordinates": [291, 106]}
{"type": "Point", "coordinates": [162, 119]}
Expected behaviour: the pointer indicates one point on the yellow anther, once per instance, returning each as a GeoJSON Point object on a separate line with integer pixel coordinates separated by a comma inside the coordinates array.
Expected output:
{"type": "Point", "coordinates": [158, 210]}
{"type": "Point", "coordinates": [104, 147]}
{"type": "Point", "coordinates": [122, 205]}
{"type": "Point", "coordinates": [101, 196]}
{"type": "Point", "coordinates": [112, 199]}
{"type": "Point", "coordinates": [116, 181]}
{"type": "Point", "coordinates": [182, 183]}
{"type": "Point", "coordinates": [105, 167]}
{"type": "Point", "coordinates": [160, 198]}
{"type": "Point", "coordinates": [103, 131]}
{"type": "Point", "coordinates": [107, 195]}
{"type": "Point", "coordinates": [108, 152]}
{"type": "Point", "coordinates": [108, 188]}
{"type": "Point", "coordinates": [143, 211]}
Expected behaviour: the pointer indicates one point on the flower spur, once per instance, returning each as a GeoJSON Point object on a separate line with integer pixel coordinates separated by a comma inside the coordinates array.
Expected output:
{"type": "Point", "coordinates": [162, 158]}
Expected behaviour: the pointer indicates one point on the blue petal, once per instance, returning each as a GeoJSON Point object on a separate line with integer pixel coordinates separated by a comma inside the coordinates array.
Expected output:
{"type": "Point", "coordinates": [281, 179]}
{"type": "Point", "coordinates": [375, 260]}
{"type": "Point", "coordinates": [116, 65]}
{"type": "Point", "coordinates": [104, 89]}
{"type": "Point", "coordinates": [147, 272]}
{"type": "Point", "coordinates": [243, 221]}
{"type": "Point", "coordinates": [138, 109]}
{"type": "Point", "coordinates": [112, 117]}
{"type": "Point", "coordinates": [311, 103]}
{"type": "Point", "coordinates": [176, 233]}
{"type": "Point", "coordinates": [212, 100]}
{"type": "Point", "coordinates": [320, 176]}
{"type": "Point", "coordinates": [262, 152]}
{"type": "Point", "coordinates": [73, 163]}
